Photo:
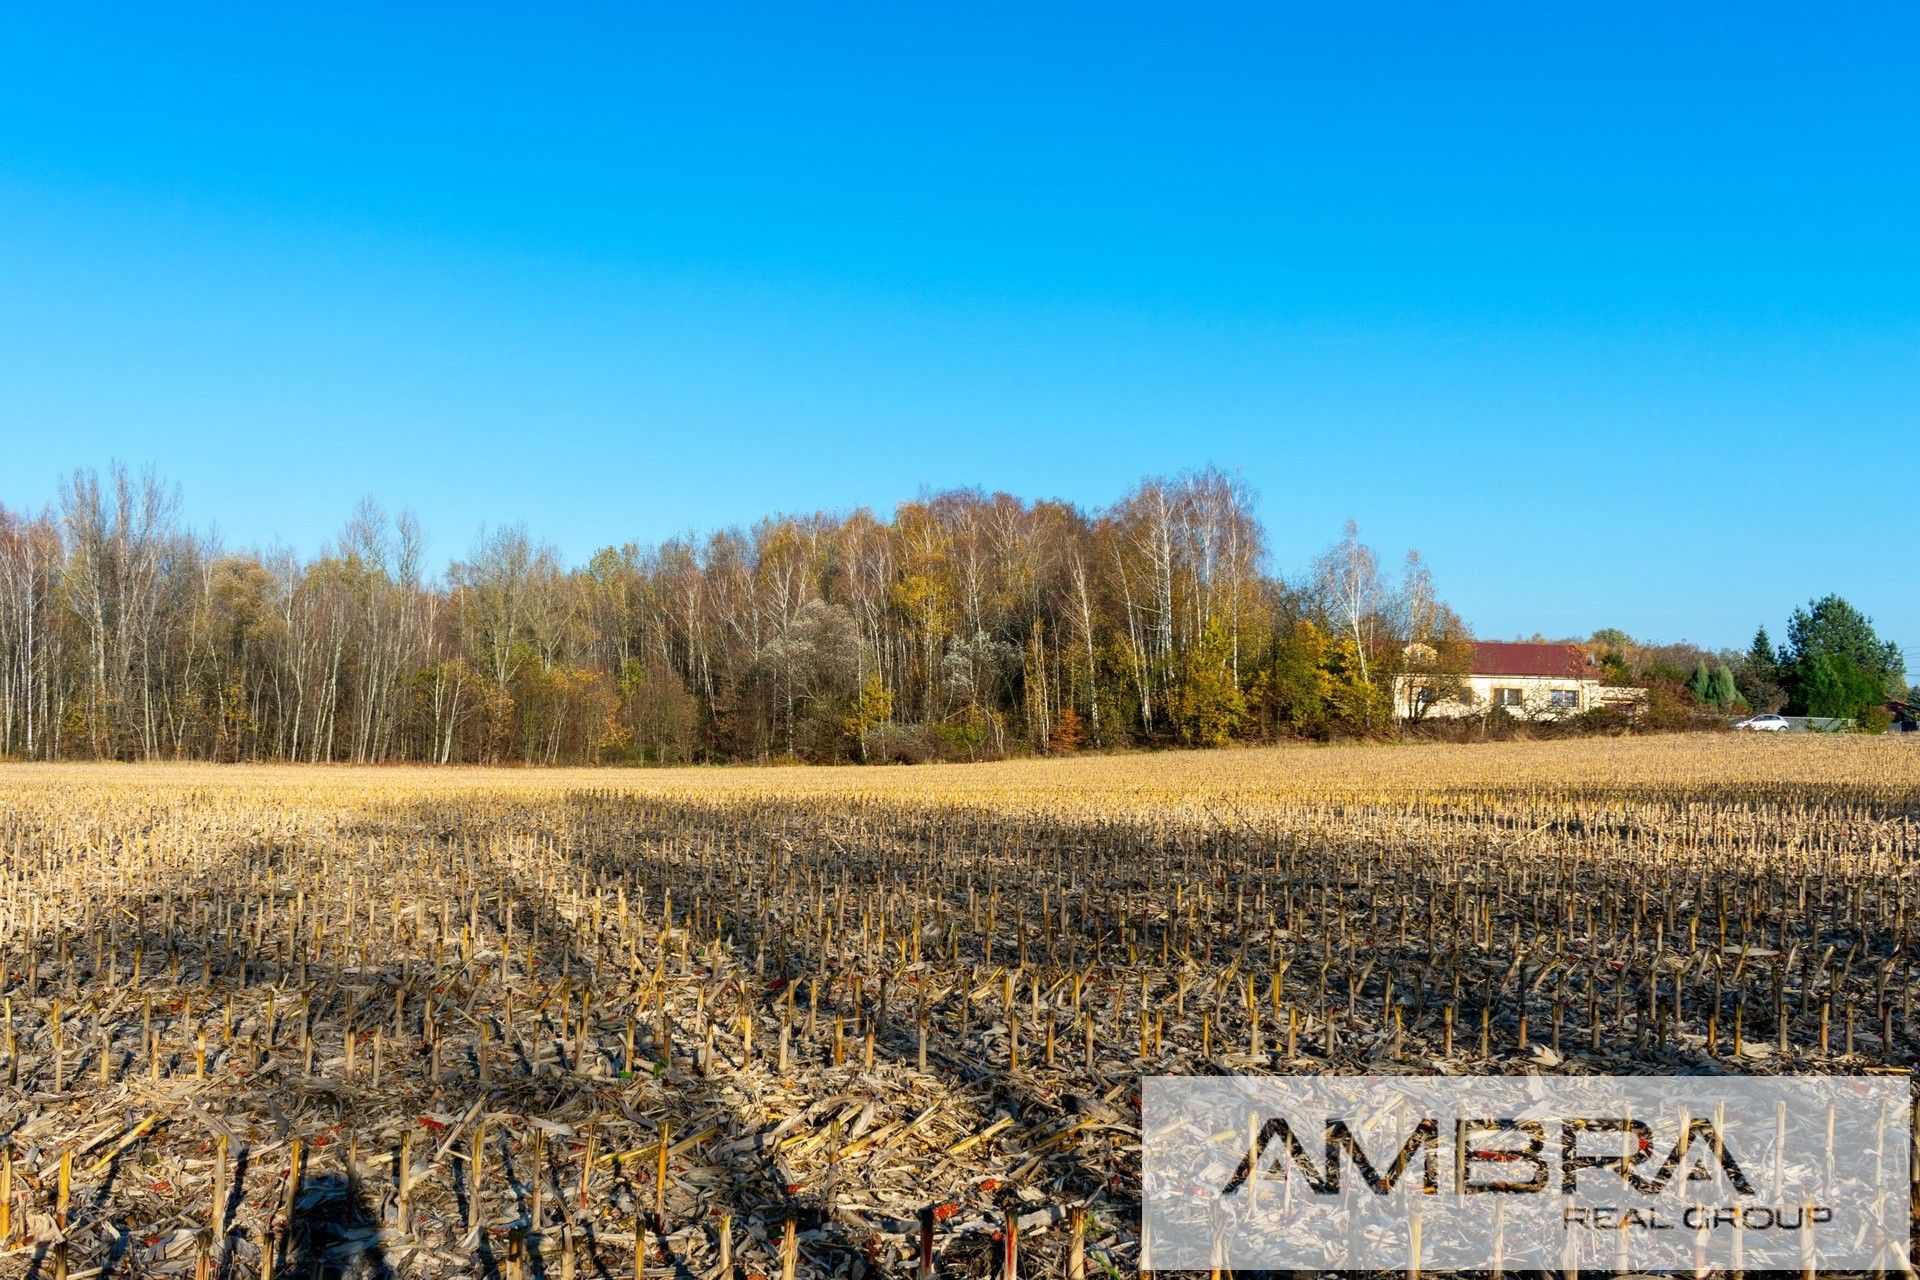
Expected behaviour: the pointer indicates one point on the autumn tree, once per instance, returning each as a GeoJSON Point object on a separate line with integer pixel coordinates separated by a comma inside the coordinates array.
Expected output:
{"type": "Point", "coordinates": [1353, 598]}
{"type": "Point", "coordinates": [1431, 653]}
{"type": "Point", "coordinates": [1206, 705]}
{"type": "Point", "coordinates": [873, 708]}
{"type": "Point", "coordinates": [963, 624]}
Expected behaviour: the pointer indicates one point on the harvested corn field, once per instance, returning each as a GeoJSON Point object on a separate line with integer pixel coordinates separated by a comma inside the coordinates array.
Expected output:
{"type": "Point", "coordinates": [864, 1021]}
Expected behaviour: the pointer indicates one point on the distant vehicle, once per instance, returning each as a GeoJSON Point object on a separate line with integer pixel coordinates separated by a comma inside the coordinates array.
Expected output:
{"type": "Point", "coordinates": [1768, 723]}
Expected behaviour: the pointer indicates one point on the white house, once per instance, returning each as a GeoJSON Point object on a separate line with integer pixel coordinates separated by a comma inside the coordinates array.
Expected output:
{"type": "Point", "coordinates": [1532, 681]}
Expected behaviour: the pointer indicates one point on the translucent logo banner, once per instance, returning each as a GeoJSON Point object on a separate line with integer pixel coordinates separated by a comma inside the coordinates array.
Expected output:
{"type": "Point", "coordinates": [1638, 1173]}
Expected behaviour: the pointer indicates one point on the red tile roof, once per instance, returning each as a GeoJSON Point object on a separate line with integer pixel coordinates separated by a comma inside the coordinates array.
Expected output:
{"type": "Point", "coordinates": [1564, 661]}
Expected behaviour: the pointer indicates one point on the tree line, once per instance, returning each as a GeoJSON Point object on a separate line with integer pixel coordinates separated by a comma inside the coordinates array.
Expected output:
{"type": "Point", "coordinates": [967, 625]}
{"type": "Point", "coordinates": [1833, 665]}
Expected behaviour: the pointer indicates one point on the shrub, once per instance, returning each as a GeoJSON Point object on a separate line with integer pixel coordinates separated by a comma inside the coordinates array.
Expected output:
{"type": "Point", "coordinates": [1876, 719]}
{"type": "Point", "coordinates": [892, 743]}
{"type": "Point", "coordinates": [1668, 708]}
{"type": "Point", "coordinates": [1068, 733]}
{"type": "Point", "coordinates": [1611, 721]}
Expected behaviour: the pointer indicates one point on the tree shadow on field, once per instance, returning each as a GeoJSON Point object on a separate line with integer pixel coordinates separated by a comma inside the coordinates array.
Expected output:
{"type": "Point", "coordinates": [334, 1234]}
{"type": "Point", "coordinates": [570, 953]}
{"type": "Point", "coordinates": [700, 853]}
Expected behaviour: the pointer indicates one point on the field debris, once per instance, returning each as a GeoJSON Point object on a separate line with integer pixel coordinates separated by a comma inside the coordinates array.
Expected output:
{"type": "Point", "coordinates": [287, 1023]}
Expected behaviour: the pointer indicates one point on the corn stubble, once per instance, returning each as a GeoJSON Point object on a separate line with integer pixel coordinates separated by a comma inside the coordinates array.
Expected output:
{"type": "Point", "coordinates": [752, 1023]}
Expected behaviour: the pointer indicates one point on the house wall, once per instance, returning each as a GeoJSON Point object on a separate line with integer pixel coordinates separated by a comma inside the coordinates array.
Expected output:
{"type": "Point", "coordinates": [1535, 692]}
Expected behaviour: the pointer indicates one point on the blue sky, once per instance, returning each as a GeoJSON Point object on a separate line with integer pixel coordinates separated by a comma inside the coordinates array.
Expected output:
{"type": "Point", "coordinates": [1613, 312]}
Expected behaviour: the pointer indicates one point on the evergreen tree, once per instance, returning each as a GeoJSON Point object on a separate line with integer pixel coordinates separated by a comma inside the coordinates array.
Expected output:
{"type": "Point", "coordinates": [1830, 628]}
{"type": "Point", "coordinates": [1758, 678]}
{"type": "Point", "coordinates": [1700, 685]}
{"type": "Point", "coordinates": [1721, 690]}
{"type": "Point", "coordinates": [1836, 685]}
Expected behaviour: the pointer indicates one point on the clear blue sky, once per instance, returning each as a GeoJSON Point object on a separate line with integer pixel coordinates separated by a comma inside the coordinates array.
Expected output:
{"type": "Point", "coordinates": [1613, 312]}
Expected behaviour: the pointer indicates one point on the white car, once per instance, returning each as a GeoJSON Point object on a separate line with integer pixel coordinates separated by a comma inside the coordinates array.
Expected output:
{"type": "Point", "coordinates": [1768, 723]}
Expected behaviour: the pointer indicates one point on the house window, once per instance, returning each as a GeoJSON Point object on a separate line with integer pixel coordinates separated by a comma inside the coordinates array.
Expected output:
{"type": "Point", "coordinates": [1564, 699]}
{"type": "Point", "coordinates": [1508, 697]}
{"type": "Point", "coordinates": [1424, 696]}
